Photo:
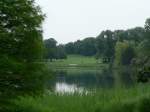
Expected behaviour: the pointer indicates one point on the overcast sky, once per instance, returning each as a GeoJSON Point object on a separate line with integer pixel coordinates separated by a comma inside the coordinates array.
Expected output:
{"type": "Point", "coordinates": [69, 20]}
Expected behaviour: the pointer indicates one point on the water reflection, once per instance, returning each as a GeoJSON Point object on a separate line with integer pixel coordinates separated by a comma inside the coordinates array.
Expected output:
{"type": "Point", "coordinates": [62, 87]}
{"type": "Point", "coordinates": [81, 80]}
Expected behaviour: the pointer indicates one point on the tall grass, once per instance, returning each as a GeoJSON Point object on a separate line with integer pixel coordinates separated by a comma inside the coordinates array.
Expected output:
{"type": "Point", "coordinates": [136, 99]}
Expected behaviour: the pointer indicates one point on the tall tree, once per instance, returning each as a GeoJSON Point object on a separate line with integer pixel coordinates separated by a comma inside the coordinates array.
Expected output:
{"type": "Point", "coordinates": [144, 46]}
{"type": "Point", "coordinates": [142, 61]}
{"type": "Point", "coordinates": [88, 47]}
{"type": "Point", "coordinates": [60, 52]}
{"type": "Point", "coordinates": [106, 44]}
{"type": "Point", "coordinates": [50, 48]}
{"type": "Point", "coordinates": [21, 46]}
{"type": "Point", "coordinates": [123, 53]}
{"type": "Point", "coordinates": [70, 48]}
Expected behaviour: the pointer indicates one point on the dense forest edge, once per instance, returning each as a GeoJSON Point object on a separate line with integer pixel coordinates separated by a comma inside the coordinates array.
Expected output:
{"type": "Point", "coordinates": [26, 60]}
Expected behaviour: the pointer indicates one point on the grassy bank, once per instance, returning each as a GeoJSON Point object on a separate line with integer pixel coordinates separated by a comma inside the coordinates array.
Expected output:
{"type": "Point", "coordinates": [77, 61]}
{"type": "Point", "coordinates": [136, 99]}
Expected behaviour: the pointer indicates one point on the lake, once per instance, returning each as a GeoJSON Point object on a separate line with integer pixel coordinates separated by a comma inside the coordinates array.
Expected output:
{"type": "Point", "coordinates": [71, 80]}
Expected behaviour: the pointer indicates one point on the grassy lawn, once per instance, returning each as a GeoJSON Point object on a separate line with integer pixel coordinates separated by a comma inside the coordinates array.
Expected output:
{"type": "Point", "coordinates": [77, 61]}
{"type": "Point", "coordinates": [136, 99]}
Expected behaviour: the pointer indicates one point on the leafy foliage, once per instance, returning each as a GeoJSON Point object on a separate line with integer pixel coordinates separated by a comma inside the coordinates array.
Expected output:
{"type": "Point", "coordinates": [54, 51]}
{"type": "Point", "coordinates": [50, 48]}
{"type": "Point", "coordinates": [84, 47]}
{"type": "Point", "coordinates": [21, 47]}
{"type": "Point", "coordinates": [106, 44]}
{"type": "Point", "coordinates": [124, 53]}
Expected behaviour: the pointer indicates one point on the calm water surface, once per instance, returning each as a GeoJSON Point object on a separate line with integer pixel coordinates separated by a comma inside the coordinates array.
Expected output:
{"type": "Point", "coordinates": [80, 80]}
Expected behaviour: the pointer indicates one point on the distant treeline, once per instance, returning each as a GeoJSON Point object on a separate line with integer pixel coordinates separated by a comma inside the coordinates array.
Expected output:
{"type": "Point", "coordinates": [101, 46]}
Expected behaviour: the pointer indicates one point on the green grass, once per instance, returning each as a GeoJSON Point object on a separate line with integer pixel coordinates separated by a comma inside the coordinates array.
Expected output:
{"type": "Point", "coordinates": [136, 99]}
{"type": "Point", "coordinates": [80, 61]}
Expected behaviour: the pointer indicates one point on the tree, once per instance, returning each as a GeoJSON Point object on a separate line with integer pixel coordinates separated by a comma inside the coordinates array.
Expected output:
{"type": "Point", "coordinates": [69, 47]}
{"type": "Point", "coordinates": [127, 56]}
{"type": "Point", "coordinates": [87, 47]}
{"type": "Point", "coordinates": [50, 48]}
{"type": "Point", "coordinates": [142, 62]}
{"type": "Point", "coordinates": [100, 46]}
{"type": "Point", "coordinates": [147, 28]}
{"type": "Point", "coordinates": [77, 47]}
{"type": "Point", "coordinates": [61, 53]}
{"type": "Point", "coordinates": [146, 45]}
{"type": "Point", "coordinates": [143, 48]}
{"type": "Point", "coordinates": [124, 53]}
{"type": "Point", "coordinates": [106, 44]}
{"type": "Point", "coordinates": [21, 47]}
